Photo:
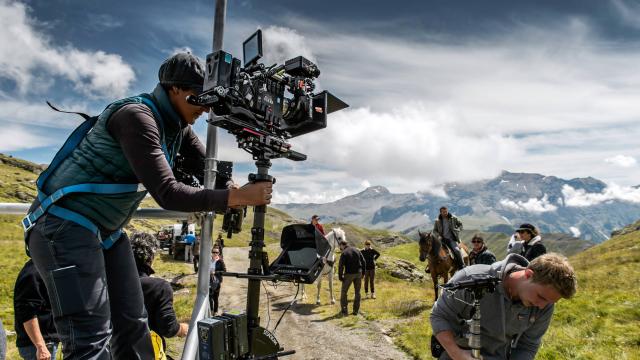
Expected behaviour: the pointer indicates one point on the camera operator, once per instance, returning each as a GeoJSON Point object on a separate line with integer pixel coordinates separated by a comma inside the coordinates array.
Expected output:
{"type": "Point", "coordinates": [86, 263]}
{"type": "Point", "coordinates": [514, 317]}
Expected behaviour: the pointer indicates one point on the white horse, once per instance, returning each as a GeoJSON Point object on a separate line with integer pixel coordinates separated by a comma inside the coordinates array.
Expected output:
{"type": "Point", "coordinates": [334, 237]}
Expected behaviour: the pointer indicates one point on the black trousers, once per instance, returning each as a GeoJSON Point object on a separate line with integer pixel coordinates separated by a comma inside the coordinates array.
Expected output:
{"type": "Point", "coordinates": [96, 298]}
{"type": "Point", "coordinates": [213, 300]}
{"type": "Point", "coordinates": [369, 278]}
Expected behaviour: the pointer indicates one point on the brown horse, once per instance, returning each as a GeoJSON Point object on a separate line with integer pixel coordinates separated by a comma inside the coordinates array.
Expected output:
{"type": "Point", "coordinates": [440, 263]}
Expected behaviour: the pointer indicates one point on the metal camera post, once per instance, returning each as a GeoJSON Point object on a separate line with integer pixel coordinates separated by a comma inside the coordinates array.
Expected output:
{"type": "Point", "coordinates": [477, 286]}
{"type": "Point", "coordinates": [201, 305]}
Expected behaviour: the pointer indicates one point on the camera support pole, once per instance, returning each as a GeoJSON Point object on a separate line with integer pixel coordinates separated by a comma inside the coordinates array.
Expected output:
{"type": "Point", "coordinates": [258, 263]}
{"type": "Point", "coordinates": [201, 306]}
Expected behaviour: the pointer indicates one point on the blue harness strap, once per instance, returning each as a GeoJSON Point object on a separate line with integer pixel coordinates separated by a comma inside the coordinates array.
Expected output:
{"type": "Point", "coordinates": [47, 201]}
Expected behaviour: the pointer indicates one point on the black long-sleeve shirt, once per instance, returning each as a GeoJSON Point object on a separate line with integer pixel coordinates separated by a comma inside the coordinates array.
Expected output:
{"type": "Point", "coordinates": [30, 300]}
{"type": "Point", "coordinates": [351, 262]}
{"type": "Point", "coordinates": [134, 127]}
{"type": "Point", "coordinates": [158, 300]}
{"type": "Point", "coordinates": [370, 257]}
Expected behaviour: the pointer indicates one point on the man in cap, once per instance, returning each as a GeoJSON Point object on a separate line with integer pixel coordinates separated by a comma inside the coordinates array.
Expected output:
{"type": "Point", "coordinates": [93, 284]}
{"type": "Point", "coordinates": [315, 220]}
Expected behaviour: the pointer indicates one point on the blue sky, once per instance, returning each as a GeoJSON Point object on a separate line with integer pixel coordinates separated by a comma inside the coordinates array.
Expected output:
{"type": "Point", "coordinates": [439, 90]}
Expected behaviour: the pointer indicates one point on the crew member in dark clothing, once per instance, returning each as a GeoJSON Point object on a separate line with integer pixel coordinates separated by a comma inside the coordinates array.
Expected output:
{"type": "Point", "coordinates": [220, 244]}
{"type": "Point", "coordinates": [532, 245]}
{"type": "Point", "coordinates": [77, 245]}
{"type": "Point", "coordinates": [350, 270]}
{"type": "Point", "coordinates": [370, 256]}
{"type": "Point", "coordinates": [36, 333]}
{"type": "Point", "coordinates": [480, 254]}
{"type": "Point", "coordinates": [215, 279]}
{"type": "Point", "coordinates": [157, 292]}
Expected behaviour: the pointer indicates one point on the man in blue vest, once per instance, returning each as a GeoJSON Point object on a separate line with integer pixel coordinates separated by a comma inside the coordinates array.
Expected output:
{"type": "Point", "coordinates": [77, 245]}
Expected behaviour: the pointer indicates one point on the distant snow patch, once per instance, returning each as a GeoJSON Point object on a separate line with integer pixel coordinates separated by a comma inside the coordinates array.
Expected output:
{"type": "Point", "coordinates": [575, 231]}
{"type": "Point", "coordinates": [532, 205]}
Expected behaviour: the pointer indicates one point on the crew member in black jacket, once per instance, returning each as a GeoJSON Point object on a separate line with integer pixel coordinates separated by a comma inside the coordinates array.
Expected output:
{"type": "Point", "coordinates": [532, 246]}
{"type": "Point", "coordinates": [157, 292]}
{"type": "Point", "coordinates": [370, 256]}
{"type": "Point", "coordinates": [350, 270]}
{"type": "Point", "coordinates": [35, 330]}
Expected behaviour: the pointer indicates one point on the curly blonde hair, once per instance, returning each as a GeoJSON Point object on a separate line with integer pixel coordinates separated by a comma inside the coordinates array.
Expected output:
{"type": "Point", "coordinates": [554, 269]}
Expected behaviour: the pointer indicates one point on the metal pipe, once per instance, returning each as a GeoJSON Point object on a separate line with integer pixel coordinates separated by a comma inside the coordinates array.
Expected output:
{"type": "Point", "coordinates": [201, 305]}
{"type": "Point", "coordinates": [148, 213]}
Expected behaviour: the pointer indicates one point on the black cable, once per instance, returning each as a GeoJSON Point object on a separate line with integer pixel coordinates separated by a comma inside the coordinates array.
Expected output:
{"type": "Point", "coordinates": [268, 304]}
{"type": "Point", "coordinates": [295, 298]}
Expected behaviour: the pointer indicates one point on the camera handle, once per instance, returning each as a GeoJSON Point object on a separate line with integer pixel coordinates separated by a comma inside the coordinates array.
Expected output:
{"type": "Point", "coordinates": [262, 344]}
{"type": "Point", "coordinates": [478, 286]}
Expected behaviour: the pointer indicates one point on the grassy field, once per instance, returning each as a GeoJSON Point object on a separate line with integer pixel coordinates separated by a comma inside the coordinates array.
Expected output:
{"type": "Point", "coordinates": [601, 322]}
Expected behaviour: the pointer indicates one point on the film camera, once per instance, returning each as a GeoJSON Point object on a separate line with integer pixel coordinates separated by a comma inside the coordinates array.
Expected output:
{"type": "Point", "coordinates": [189, 173]}
{"type": "Point", "coordinates": [250, 101]}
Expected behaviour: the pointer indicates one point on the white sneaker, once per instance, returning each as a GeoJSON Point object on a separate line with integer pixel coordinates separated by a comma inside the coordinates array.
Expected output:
{"type": "Point", "coordinates": [366, 295]}
{"type": "Point", "coordinates": [373, 295]}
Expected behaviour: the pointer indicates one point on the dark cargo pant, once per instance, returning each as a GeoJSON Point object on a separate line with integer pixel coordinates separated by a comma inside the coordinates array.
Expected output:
{"type": "Point", "coordinates": [95, 294]}
{"type": "Point", "coordinates": [369, 279]}
{"type": "Point", "coordinates": [356, 279]}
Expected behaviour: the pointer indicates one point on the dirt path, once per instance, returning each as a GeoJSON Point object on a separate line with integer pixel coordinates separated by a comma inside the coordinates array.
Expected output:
{"type": "Point", "coordinates": [303, 328]}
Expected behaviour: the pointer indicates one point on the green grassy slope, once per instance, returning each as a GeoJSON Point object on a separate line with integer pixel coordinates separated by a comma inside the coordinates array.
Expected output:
{"type": "Point", "coordinates": [601, 322]}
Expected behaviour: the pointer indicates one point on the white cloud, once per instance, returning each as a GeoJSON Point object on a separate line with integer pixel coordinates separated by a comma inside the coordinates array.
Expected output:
{"type": "Point", "coordinates": [621, 161]}
{"type": "Point", "coordinates": [575, 231]}
{"type": "Point", "coordinates": [406, 149]}
{"type": "Point", "coordinates": [30, 59]}
{"type": "Point", "coordinates": [531, 205]}
{"type": "Point", "coordinates": [581, 198]}
{"type": "Point", "coordinates": [16, 137]}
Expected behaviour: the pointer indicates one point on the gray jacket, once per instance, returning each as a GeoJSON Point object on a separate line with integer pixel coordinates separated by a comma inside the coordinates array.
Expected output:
{"type": "Point", "coordinates": [503, 320]}
{"type": "Point", "coordinates": [455, 226]}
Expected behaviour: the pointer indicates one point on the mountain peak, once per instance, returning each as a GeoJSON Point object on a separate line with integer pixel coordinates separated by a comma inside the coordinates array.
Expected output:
{"type": "Point", "coordinates": [372, 192]}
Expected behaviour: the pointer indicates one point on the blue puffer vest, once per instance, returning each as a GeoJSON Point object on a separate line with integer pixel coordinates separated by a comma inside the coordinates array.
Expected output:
{"type": "Point", "coordinates": [98, 159]}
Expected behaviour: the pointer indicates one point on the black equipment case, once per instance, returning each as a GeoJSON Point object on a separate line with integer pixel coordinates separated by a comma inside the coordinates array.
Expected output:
{"type": "Point", "coordinates": [303, 248]}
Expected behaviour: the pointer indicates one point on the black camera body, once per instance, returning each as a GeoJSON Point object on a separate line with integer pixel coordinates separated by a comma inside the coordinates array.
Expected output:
{"type": "Point", "coordinates": [187, 172]}
{"type": "Point", "coordinates": [250, 101]}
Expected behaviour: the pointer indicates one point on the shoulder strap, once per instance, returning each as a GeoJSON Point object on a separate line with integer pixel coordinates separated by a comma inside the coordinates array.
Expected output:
{"type": "Point", "coordinates": [170, 155]}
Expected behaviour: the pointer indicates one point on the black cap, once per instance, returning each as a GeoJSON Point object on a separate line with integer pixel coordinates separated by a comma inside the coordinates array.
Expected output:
{"type": "Point", "coordinates": [315, 217]}
{"type": "Point", "coordinates": [183, 70]}
{"type": "Point", "coordinates": [527, 227]}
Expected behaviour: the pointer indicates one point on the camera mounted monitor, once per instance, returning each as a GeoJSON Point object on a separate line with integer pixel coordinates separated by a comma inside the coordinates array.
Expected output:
{"type": "Point", "coordinates": [252, 48]}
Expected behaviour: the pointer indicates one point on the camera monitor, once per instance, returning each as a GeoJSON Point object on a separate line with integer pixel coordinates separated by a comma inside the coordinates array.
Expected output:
{"type": "Point", "coordinates": [252, 48]}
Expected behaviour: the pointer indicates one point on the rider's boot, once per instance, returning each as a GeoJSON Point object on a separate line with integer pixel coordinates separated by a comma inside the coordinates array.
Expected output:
{"type": "Point", "coordinates": [457, 258]}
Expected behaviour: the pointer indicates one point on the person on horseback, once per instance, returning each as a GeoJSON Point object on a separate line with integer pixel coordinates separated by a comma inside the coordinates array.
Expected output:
{"type": "Point", "coordinates": [447, 226]}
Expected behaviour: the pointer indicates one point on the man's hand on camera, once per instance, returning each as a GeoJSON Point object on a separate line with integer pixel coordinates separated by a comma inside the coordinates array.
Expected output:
{"type": "Point", "coordinates": [251, 194]}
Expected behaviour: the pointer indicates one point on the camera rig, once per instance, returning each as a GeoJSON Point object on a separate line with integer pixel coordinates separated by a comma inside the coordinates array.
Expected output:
{"type": "Point", "coordinates": [477, 285]}
{"type": "Point", "coordinates": [250, 103]}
